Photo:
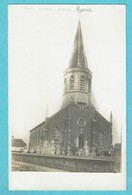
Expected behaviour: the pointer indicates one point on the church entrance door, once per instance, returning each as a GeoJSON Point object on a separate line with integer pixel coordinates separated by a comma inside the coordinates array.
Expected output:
{"type": "Point", "coordinates": [81, 141]}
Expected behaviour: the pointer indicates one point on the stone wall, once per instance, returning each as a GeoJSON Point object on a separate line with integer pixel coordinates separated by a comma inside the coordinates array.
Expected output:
{"type": "Point", "coordinates": [74, 164]}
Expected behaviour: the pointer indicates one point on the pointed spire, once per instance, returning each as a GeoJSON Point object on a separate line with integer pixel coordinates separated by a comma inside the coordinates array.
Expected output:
{"type": "Point", "coordinates": [46, 118]}
{"type": "Point", "coordinates": [78, 58]}
{"type": "Point", "coordinates": [111, 117]}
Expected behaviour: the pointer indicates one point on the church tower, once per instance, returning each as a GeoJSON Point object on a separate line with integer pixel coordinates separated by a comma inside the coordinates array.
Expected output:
{"type": "Point", "coordinates": [77, 78]}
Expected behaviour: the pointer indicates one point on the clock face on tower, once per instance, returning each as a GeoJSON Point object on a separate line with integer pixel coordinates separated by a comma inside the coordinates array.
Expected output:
{"type": "Point", "coordinates": [81, 122]}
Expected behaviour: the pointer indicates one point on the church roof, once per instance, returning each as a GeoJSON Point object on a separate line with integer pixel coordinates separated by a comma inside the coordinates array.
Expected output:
{"type": "Point", "coordinates": [100, 117]}
{"type": "Point", "coordinates": [78, 59]}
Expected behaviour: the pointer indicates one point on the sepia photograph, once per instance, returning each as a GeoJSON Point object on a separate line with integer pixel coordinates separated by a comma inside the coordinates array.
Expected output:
{"type": "Point", "coordinates": [67, 97]}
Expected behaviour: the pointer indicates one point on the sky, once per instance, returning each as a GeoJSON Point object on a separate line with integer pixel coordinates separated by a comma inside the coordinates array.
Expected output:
{"type": "Point", "coordinates": [40, 43]}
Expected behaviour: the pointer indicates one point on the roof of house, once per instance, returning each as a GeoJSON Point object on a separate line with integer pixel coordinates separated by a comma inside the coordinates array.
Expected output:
{"type": "Point", "coordinates": [18, 143]}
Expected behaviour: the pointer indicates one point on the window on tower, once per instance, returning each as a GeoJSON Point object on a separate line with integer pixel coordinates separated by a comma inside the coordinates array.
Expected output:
{"type": "Point", "coordinates": [82, 83]}
{"type": "Point", "coordinates": [72, 79]}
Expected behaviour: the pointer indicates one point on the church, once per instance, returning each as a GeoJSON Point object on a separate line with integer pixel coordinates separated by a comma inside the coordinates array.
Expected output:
{"type": "Point", "coordinates": [77, 124]}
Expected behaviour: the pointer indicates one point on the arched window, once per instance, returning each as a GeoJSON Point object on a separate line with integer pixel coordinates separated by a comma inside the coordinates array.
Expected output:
{"type": "Point", "coordinates": [56, 134]}
{"type": "Point", "coordinates": [101, 138]}
{"type": "Point", "coordinates": [82, 83]}
{"type": "Point", "coordinates": [89, 85]}
{"type": "Point", "coordinates": [65, 88]}
{"type": "Point", "coordinates": [72, 82]}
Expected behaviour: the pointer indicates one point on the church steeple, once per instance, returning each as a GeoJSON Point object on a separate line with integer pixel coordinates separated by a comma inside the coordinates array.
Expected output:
{"type": "Point", "coordinates": [78, 58]}
{"type": "Point", "coordinates": [77, 78]}
{"type": "Point", "coordinates": [111, 117]}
